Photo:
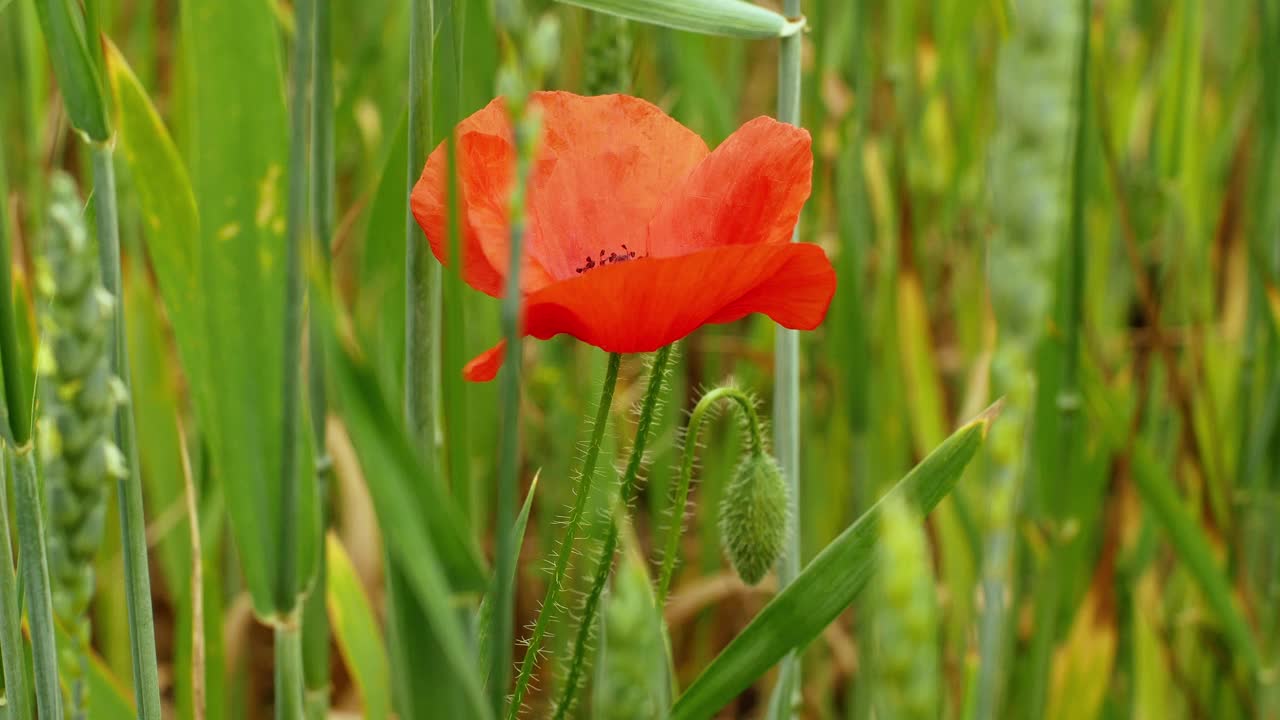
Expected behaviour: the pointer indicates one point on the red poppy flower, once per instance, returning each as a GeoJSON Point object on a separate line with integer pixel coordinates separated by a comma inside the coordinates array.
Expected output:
{"type": "Point", "coordinates": [636, 234]}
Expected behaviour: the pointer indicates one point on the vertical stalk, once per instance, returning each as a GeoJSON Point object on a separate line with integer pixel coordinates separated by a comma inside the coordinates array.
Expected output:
{"type": "Point", "coordinates": [509, 16]}
{"type": "Point", "coordinates": [1061, 470]}
{"type": "Point", "coordinates": [16, 422]}
{"type": "Point", "coordinates": [133, 528]}
{"type": "Point", "coordinates": [422, 311]}
{"type": "Point", "coordinates": [16, 413]}
{"type": "Point", "coordinates": [786, 409]}
{"type": "Point", "coordinates": [288, 645]}
{"type": "Point", "coordinates": [1037, 67]}
{"type": "Point", "coordinates": [288, 672]}
{"type": "Point", "coordinates": [1256, 467]}
{"type": "Point", "coordinates": [142, 643]}
{"type": "Point", "coordinates": [15, 689]}
{"type": "Point", "coordinates": [35, 577]}
{"type": "Point", "coordinates": [315, 619]}
{"type": "Point", "coordinates": [447, 88]}
{"type": "Point", "coordinates": [408, 636]}
{"type": "Point", "coordinates": [508, 454]}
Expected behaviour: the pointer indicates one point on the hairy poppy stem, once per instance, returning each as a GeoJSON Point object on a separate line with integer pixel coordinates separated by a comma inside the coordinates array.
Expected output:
{"type": "Point", "coordinates": [551, 602]}
{"type": "Point", "coordinates": [626, 492]}
{"type": "Point", "coordinates": [744, 403]}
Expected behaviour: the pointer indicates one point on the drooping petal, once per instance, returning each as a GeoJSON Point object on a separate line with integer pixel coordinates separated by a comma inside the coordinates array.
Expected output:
{"type": "Point", "coordinates": [604, 166]}
{"type": "Point", "coordinates": [748, 191]}
{"type": "Point", "coordinates": [642, 305]}
{"type": "Point", "coordinates": [484, 367]}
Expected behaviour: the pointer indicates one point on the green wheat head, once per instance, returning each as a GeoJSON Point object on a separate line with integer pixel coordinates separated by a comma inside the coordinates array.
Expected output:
{"type": "Point", "coordinates": [79, 396]}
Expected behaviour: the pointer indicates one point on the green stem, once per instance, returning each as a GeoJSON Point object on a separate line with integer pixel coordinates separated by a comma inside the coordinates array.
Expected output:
{"type": "Point", "coordinates": [11, 646]}
{"type": "Point", "coordinates": [408, 641]}
{"type": "Point", "coordinates": [551, 602]}
{"type": "Point", "coordinates": [133, 527]}
{"type": "Point", "coordinates": [35, 578]}
{"type": "Point", "coordinates": [315, 619]}
{"type": "Point", "coordinates": [700, 411]}
{"type": "Point", "coordinates": [288, 674]}
{"type": "Point", "coordinates": [287, 576]}
{"type": "Point", "coordinates": [422, 312]}
{"type": "Point", "coordinates": [1061, 471]}
{"type": "Point", "coordinates": [786, 413]}
{"type": "Point", "coordinates": [447, 77]}
{"type": "Point", "coordinates": [503, 628]}
{"type": "Point", "coordinates": [626, 493]}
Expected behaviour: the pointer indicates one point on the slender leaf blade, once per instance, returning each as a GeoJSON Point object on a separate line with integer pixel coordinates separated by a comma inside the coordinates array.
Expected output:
{"type": "Point", "coordinates": [237, 158]}
{"type": "Point", "coordinates": [73, 67]}
{"type": "Point", "coordinates": [731, 18]}
{"type": "Point", "coordinates": [396, 480]}
{"type": "Point", "coordinates": [356, 630]}
{"type": "Point", "coordinates": [422, 540]}
{"type": "Point", "coordinates": [827, 585]}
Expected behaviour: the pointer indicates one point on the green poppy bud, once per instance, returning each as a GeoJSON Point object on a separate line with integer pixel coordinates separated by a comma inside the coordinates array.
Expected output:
{"type": "Point", "coordinates": [754, 516]}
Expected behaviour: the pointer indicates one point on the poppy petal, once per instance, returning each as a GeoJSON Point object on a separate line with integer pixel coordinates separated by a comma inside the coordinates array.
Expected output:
{"type": "Point", "coordinates": [642, 305]}
{"type": "Point", "coordinates": [748, 191]}
{"type": "Point", "coordinates": [605, 164]}
{"type": "Point", "coordinates": [484, 367]}
{"type": "Point", "coordinates": [484, 175]}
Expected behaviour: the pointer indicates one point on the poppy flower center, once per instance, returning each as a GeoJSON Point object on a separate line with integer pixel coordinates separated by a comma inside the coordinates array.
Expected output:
{"type": "Point", "coordinates": [609, 259]}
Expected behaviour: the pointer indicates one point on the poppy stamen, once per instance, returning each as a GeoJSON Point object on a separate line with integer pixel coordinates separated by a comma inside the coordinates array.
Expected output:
{"type": "Point", "coordinates": [613, 257]}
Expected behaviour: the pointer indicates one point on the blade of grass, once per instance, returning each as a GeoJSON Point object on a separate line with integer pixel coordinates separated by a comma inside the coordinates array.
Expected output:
{"type": "Point", "coordinates": [484, 618]}
{"type": "Point", "coordinates": [447, 74]}
{"type": "Point", "coordinates": [133, 529]}
{"type": "Point", "coordinates": [526, 127]}
{"type": "Point", "coordinates": [74, 67]}
{"type": "Point", "coordinates": [236, 309]}
{"type": "Point", "coordinates": [315, 621]}
{"type": "Point", "coordinates": [355, 628]}
{"type": "Point", "coordinates": [290, 683]}
{"type": "Point", "coordinates": [1060, 470]}
{"type": "Point", "coordinates": [391, 466]}
{"type": "Point", "coordinates": [17, 405]}
{"type": "Point", "coordinates": [107, 699]}
{"type": "Point", "coordinates": [1193, 548]}
{"type": "Point", "coordinates": [412, 648]}
{"type": "Point", "coordinates": [422, 271]}
{"type": "Point", "coordinates": [734, 18]}
{"type": "Point", "coordinates": [15, 423]}
{"type": "Point", "coordinates": [828, 584]}
{"type": "Point", "coordinates": [35, 578]}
